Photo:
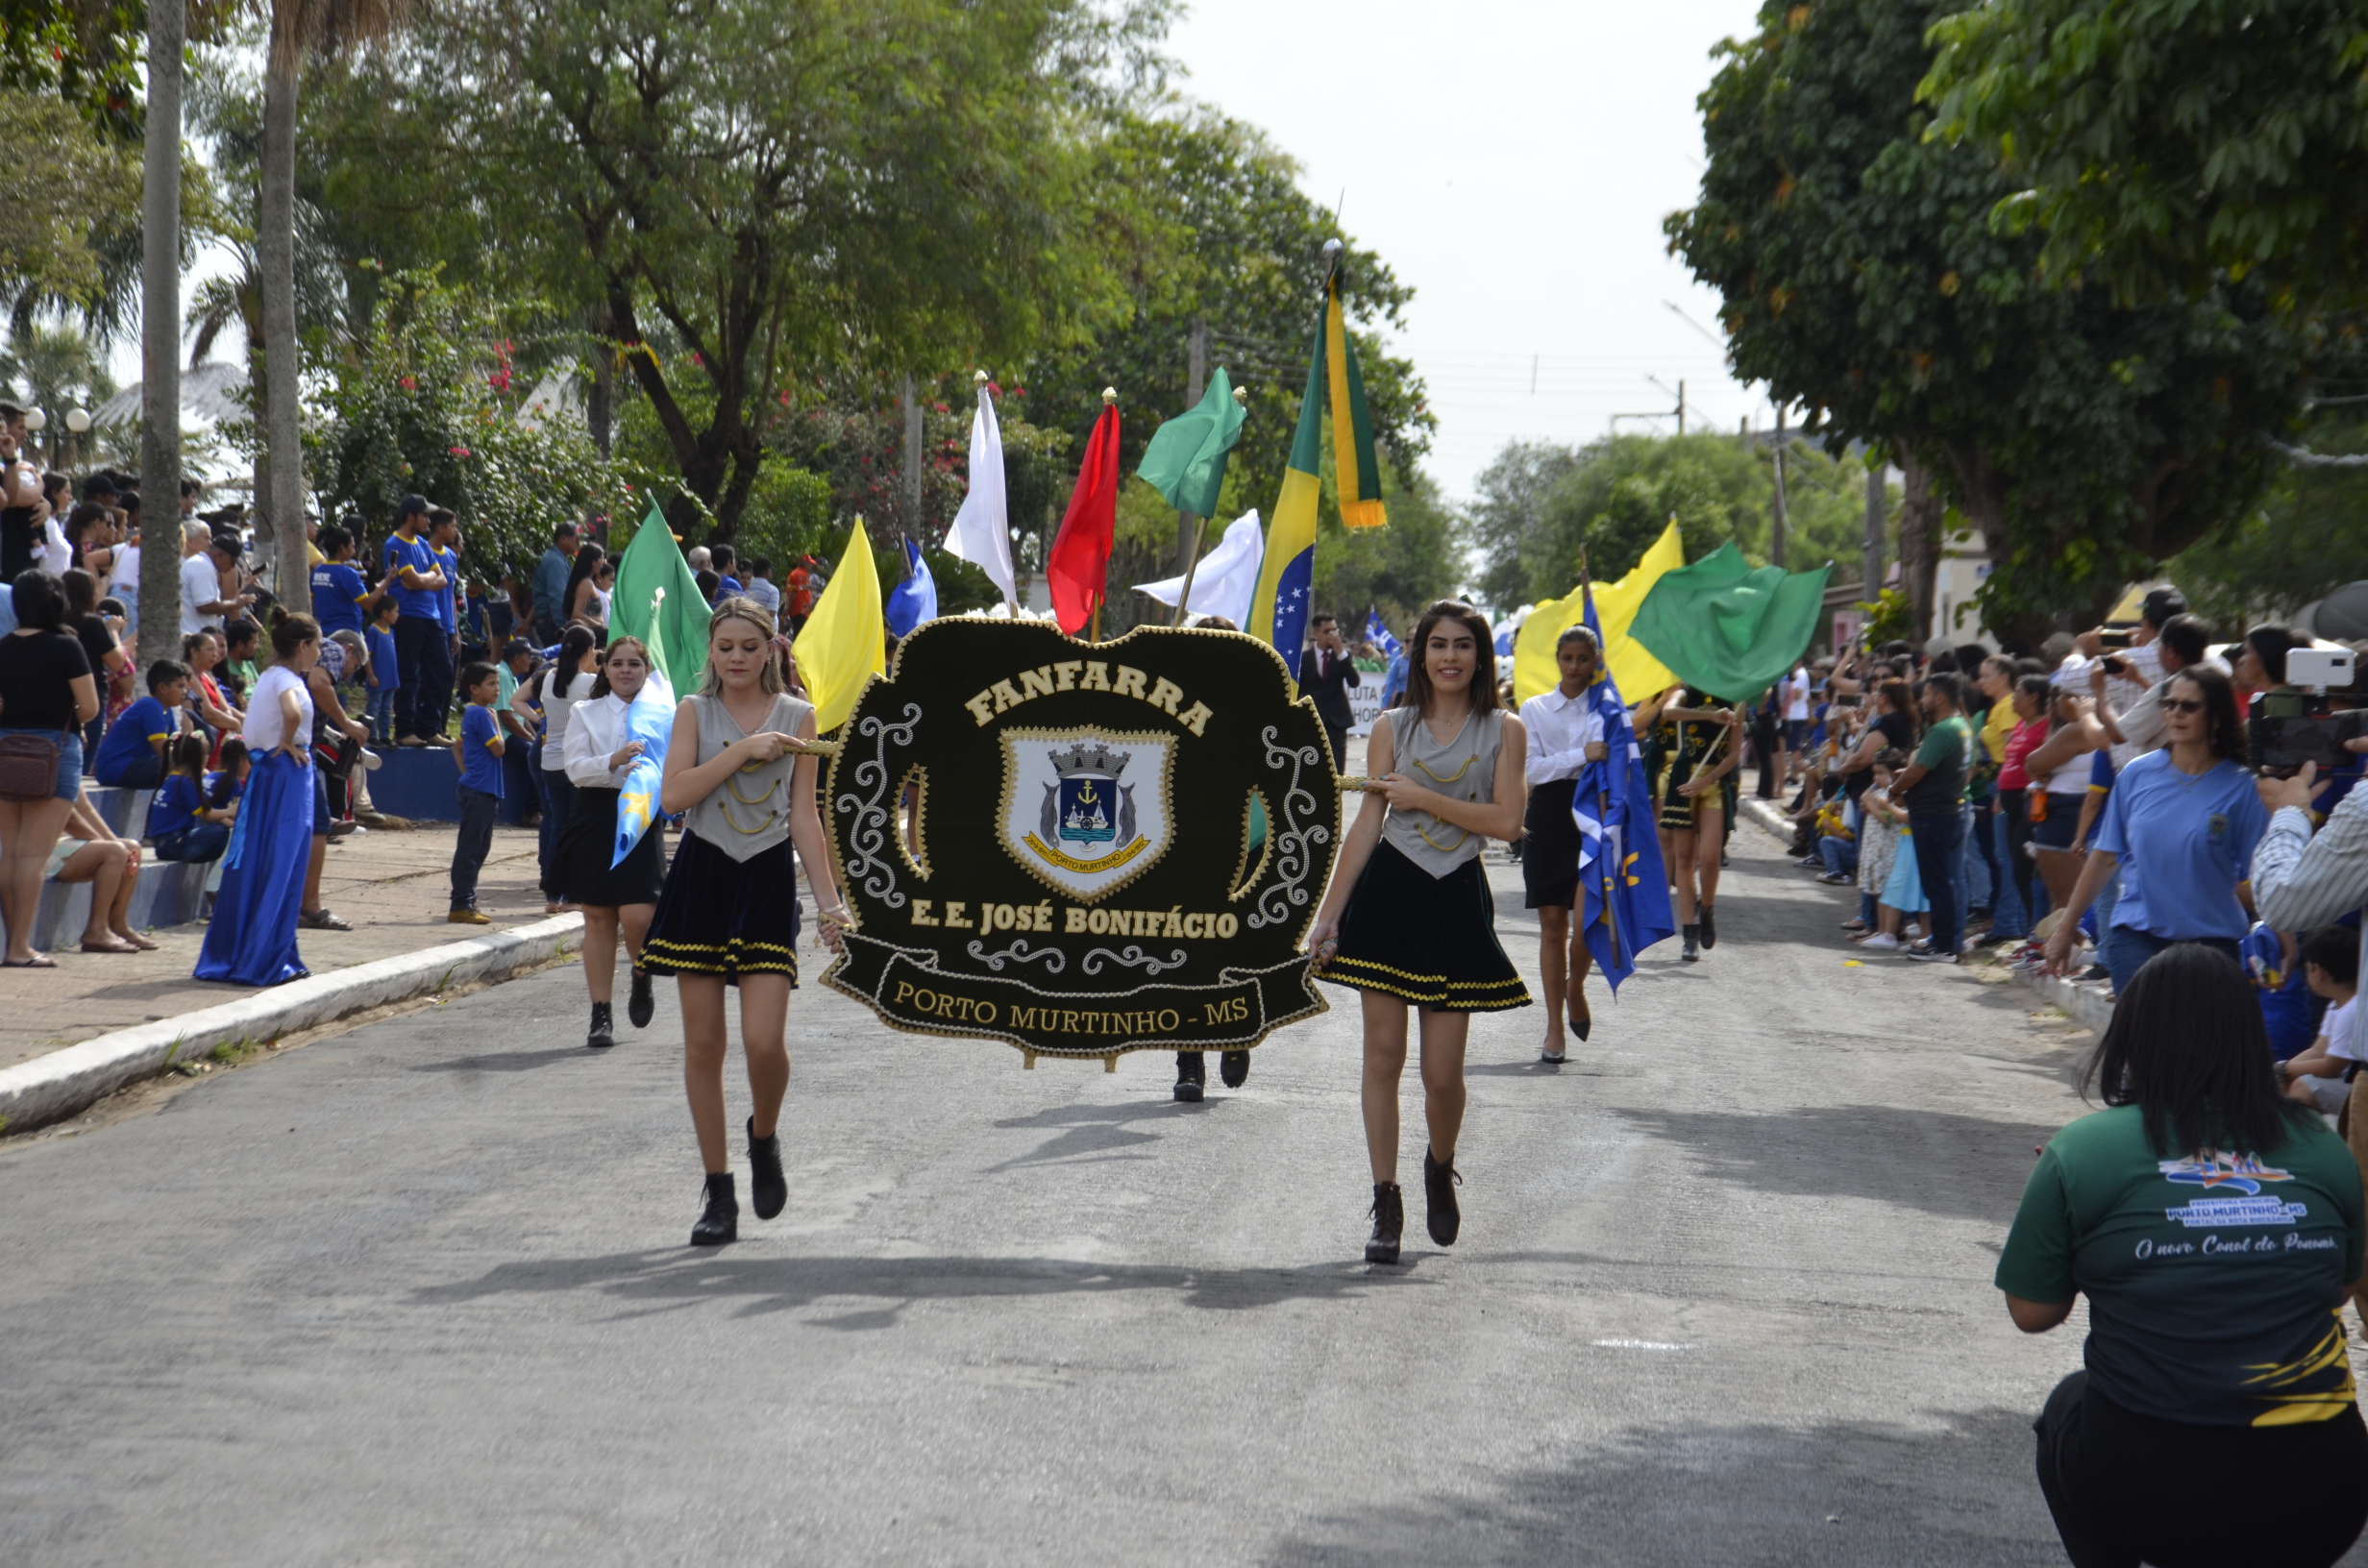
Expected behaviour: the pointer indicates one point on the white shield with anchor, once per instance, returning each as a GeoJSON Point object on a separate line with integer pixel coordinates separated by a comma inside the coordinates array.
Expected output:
{"type": "Point", "coordinates": [1086, 809]}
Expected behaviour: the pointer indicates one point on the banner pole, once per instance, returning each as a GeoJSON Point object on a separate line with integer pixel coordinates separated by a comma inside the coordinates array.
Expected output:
{"type": "Point", "coordinates": [1200, 525]}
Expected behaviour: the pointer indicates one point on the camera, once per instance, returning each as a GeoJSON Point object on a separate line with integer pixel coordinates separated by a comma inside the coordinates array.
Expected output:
{"type": "Point", "coordinates": [2114, 637]}
{"type": "Point", "coordinates": [2318, 666]}
{"type": "Point", "coordinates": [2280, 746]}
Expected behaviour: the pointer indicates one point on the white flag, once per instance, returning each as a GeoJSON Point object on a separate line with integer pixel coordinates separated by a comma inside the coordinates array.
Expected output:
{"type": "Point", "coordinates": [981, 531]}
{"type": "Point", "coordinates": [1227, 580]}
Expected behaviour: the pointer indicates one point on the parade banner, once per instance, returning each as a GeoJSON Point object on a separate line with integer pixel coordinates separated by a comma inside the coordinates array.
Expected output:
{"type": "Point", "coordinates": [1082, 850]}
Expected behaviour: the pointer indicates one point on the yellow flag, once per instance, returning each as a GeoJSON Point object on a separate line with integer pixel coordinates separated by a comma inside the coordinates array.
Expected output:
{"type": "Point", "coordinates": [845, 642]}
{"type": "Point", "coordinates": [1636, 673]}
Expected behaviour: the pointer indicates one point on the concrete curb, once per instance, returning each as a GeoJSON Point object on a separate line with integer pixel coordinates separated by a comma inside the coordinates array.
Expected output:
{"type": "Point", "coordinates": [51, 1088]}
{"type": "Point", "coordinates": [2087, 1006]}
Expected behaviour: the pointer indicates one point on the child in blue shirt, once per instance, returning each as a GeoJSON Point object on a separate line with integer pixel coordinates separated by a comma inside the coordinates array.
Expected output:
{"type": "Point", "coordinates": [385, 679]}
{"type": "Point", "coordinates": [184, 826]}
{"type": "Point", "coordinates": [478, 752]}
{"type": "Point", "coordinates": [132, 753]}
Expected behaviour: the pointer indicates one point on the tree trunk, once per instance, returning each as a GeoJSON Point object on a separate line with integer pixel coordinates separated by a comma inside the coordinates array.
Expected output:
{"type": "Point", "coordinates": [1919, 546]}
{"type": "Point", "coordinates": [160, 450]}
{"type": "Point", "coordinates": [275, 249]}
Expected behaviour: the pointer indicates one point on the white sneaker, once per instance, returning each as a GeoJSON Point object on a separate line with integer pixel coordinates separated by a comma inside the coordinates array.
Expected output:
{"type": "Point", "coordinates": [1882, 941]}
{"type": "Point", "coordinates": [371, 760]}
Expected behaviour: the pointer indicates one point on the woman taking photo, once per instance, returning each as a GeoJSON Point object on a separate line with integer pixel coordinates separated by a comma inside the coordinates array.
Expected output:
{"type": "Point", "coordinates": [2215, 1226]}
{"type": "Point", "coordinates": [1409, 918]}
{"type": "Point", "coordinates": [729, 915]}
{"type": "Point", "coordinates": [252, 939]}
{"type": "Point", "coordinates": [2180, 829]}
{"type": "Point", "coordinates": [1696, 747]}
{"type": "Point", "coordinates": [47, 694]}
{"type": "Point", "coordinates": [567, 682]}
{"type": "Point", "coordinates": [619, 897]}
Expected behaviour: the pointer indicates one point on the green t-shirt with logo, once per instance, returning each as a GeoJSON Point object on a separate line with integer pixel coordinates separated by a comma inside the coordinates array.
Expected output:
{"type": "Point", "coordinates": [2214, 1282]}
{"type": "Point", "coordinates": [1945, 751]}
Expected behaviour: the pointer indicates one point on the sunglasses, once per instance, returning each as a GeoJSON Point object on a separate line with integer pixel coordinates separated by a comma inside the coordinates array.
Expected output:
{"type": "Point", "coordinates": [2182, 704]}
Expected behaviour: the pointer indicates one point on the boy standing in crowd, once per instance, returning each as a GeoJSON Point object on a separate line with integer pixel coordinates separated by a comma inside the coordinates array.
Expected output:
{"type": "Point", "coordinates": [478, 752]}
{"type": "Point", "coordinates": [725, 560]}
{"type": "Point", "coordinates": [384, 681]}
{"type": "Point", "coordinates": [339, 592]}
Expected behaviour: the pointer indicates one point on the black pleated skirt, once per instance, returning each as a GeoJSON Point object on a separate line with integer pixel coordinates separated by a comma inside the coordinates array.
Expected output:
{"type": "Point", "coordinates": [725, 916]}
{"type": "Point", "coordinates": [1550, 846]}
{"type": "Point", "coordinates": [1430, 940]}
{"type": "Point", "coordinates": [579, 871]}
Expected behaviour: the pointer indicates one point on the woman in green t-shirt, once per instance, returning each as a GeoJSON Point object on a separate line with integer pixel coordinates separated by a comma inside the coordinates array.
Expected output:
{"type": "Point", "coordinates": [2215, 1228]}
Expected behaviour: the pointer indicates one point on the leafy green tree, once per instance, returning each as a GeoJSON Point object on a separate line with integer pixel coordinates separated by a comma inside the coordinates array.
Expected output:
{"type": "Point", "coordinates": [1507, 509]}
{"type": "Point", "coordinates": [66, 191]}
{"type": "Point", "coordinates": [735, 184]}
{"type": "Point", "coordinates": [2166, 144]}
{"type": "Point", "coordinates": [1396, 570]}
{"type": "Point", "coordinates": [1862, 276]}
{"type": "Point", "coordinates": [84, 54]}
{"type": "Point", "coordinates": [2308, 535]}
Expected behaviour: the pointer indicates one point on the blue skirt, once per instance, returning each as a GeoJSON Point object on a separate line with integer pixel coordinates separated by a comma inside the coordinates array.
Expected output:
{"type": "Point", "coordinates": [252, 941]}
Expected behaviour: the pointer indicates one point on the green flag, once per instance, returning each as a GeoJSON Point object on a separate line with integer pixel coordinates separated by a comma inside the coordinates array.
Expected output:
{"type": "Point", "coordinates": [657, 600]}
{"type": "Point", "coordinates": [1186, 459]}
{"type": "Point", "coordinates": [1727, 627]}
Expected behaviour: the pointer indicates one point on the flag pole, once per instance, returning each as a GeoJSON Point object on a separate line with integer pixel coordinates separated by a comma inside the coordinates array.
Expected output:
{"type": "Point", "coordinates": [1200, 527]}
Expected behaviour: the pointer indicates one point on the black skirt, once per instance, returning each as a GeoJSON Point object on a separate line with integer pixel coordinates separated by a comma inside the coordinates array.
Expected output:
{"type": "Point", "coordinates": [579, 871]}
{"type": "Point", "coordinates": [725, 916]}
{"type": "Point", "coordinates": [1430, 940]}
{"type": "Point", "coordinates": [1550, 845]}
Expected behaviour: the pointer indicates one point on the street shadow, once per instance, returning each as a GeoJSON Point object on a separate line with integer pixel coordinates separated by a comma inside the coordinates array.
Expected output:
{"type": "Point", "coordinates": [503, 1060]}
{"type": "Point", "coordinates": [1836, 1495]}
{"type": "Point", "coordinates": [1097, 1132]}
{"type": "Point", "coordinates": [664, 1279]}
{"type": "Point", "coordinates": [1958, 1167]}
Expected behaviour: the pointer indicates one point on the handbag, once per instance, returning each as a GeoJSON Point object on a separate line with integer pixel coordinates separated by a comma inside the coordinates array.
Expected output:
{"type": "Point", "coordinates": [28, 767]}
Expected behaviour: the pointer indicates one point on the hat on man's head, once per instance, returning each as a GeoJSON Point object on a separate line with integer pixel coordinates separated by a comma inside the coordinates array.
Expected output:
{"type": "Point", "coordinates": [410, 504]}
{"type": "Point", "coordinates": [229, 544]}
{"type": "Point", "coordinates": [10, 410]}
{"type": "Point", "coordinates": [515, 646]}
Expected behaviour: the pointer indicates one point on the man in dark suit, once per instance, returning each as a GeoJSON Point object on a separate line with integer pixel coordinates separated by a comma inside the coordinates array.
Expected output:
{"type": "Point", "coordinates": [1325, 674]}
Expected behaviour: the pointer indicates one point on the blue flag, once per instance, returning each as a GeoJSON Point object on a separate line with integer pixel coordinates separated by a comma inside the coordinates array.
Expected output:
{"type": "Point", "coordinates": [650, 720]}
{"type": "Point", "coordinates": [1379, 636]}
{"type": "Point", "coordinates": [913, 601]}
{"type": "Point", "coordinates": [1626, 886]}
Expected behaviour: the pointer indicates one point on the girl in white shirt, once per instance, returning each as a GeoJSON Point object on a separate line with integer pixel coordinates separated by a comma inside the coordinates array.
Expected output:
{"type": "Point", "coordinates": [1565, 734]}
{"type": "Point", "coordinates": [567, 682]}
{"type": "Point", "coordinates": [617, 898]}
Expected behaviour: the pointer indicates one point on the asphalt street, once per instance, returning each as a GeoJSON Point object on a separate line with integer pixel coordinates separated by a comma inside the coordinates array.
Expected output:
{"type": "Point", "coordinates": [419, 1294]}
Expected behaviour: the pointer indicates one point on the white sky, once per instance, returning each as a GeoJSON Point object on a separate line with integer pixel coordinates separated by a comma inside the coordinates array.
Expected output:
{"type": "Point", "coordinates": [1512, 160]}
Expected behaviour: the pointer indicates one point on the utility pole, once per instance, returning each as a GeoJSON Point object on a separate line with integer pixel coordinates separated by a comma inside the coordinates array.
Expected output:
{"type": "Point", "coordinates": [1681, 407]}
{"type": "Point", "coordinates": [1878, 497]}
{"type": "Point", "coordinates": [1776, 539]}
{"type": "Point", "coordinates": [912, 459]}
{"type": "Point", "coordinates": [1196, 382]}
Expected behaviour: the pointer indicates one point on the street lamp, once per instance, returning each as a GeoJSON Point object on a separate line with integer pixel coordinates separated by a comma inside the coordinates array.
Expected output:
{"type": "Point", "coordinates": [78, 425]}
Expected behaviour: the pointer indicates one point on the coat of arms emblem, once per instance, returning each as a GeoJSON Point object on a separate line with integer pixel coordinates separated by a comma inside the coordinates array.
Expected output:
{"type": "Point", "coordinates": [1086, 810]}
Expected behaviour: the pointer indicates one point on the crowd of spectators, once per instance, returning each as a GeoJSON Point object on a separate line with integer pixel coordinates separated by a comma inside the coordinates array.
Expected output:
{"type": "Point", "coordinates": [2081, 808]}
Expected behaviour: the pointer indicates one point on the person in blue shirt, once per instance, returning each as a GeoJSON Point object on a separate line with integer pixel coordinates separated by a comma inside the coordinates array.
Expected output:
{"type": "Point", "coordinates": [382, 675]}
{"type": "Point", "coordinates": [724, 558]}
{"type": "Point", "coordinates": [478, 752]}
{"type": "Point", "coordinates": [8, 609]}
{"type": "Point", "coordinates": [180, 822]}
{"type": "Point", "coordinates": [2180, 828]}
{"type": "Point", "coordinates": [132, 754]}
{"type": "Point", "coordinates": [1394, 680]}
{"type": "Point", "coordinates": [443, 536]}
{"type": "Point", "coordinates": [338, 591]}
{"type": "Point", "coordinates": [423, 655]}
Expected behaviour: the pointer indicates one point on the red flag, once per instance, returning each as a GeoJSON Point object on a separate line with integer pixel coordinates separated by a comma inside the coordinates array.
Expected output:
{"type": "Point", "coordinates": [1078, 569]}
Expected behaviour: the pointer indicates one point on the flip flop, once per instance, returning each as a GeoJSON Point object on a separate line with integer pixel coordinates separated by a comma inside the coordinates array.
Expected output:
{"type": "Point", "coordinates": [40, 961]}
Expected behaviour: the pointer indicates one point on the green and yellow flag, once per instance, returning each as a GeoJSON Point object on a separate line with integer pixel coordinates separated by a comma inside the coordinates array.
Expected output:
{"type": "Point", "coordinates": [657, 600]}
{"type": "Point", "coordinates": [1279, 610]}
{"type": "Point", "coordinates": [1639, 676]}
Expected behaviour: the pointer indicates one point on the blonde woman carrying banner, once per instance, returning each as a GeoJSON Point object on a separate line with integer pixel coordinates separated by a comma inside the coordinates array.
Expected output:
{"type": "Point", "coordinates": [729, 914]}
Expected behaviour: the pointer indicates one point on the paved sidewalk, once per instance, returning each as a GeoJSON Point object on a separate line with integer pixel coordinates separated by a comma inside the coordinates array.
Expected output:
{"type": "Point", "coordinates": [395, 888]}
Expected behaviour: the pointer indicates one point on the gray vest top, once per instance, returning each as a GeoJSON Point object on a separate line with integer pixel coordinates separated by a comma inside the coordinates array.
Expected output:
{"type": "Point", "coordinates": [749, 812]}
{"type": "Point", "coordinates": [1464, 769]}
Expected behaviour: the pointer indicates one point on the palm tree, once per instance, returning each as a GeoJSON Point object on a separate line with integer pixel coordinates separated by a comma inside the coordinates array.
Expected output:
{"type": "Point", "coordinates": [299, 29]}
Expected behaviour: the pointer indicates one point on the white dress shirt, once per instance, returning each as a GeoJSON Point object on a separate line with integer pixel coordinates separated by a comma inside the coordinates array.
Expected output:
{"type": "Point", "coordinates": [1561, 728]}
{"type": "Point", "coordinates": [595, 733]}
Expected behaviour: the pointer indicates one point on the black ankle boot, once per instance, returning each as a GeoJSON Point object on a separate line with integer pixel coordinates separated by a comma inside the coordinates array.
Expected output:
{"type": "Point", "coordinates": [1233, 1067]}
{"type": "Point", "coordinates": [720, 1223]}
{"type": "Point", "coordinates": [768, 1187]}
{"type": "Point", "coordinates": [604, 1031]}
{"type": "Point", "coordinates": [1388, 1223]}
{"type": "Point", "coordinates": [1692, 952]}
{"type": "Point", "coordinates": [1710, 927]}
{"type": "Point", "coordinates": [1192, 1072]}
{"type": "Point", "coordinates": [1438, 1184]}
{"type": "Point", "coordinates": [639, 1004]}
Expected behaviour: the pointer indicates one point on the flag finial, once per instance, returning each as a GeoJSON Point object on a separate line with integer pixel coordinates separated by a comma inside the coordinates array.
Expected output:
{"type": "Point", "coordinates": [1241, 395]}
{"type": "Point", "coordinates": [979, 377]}
{"type": "Point", "coordinates": [1109, 394]}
